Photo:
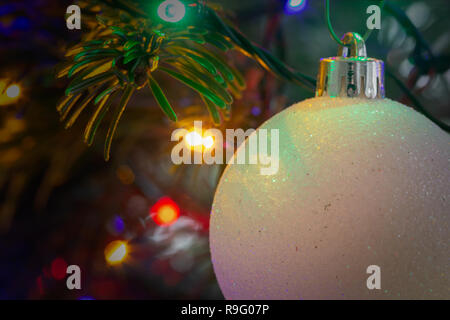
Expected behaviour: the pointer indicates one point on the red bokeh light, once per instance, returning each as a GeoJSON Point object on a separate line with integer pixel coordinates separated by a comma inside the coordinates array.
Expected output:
{"type": "Point", "coordinates": [40, 285]}
{"type": "Point", "coordinates": [59, 268]}
{"type": "Point", "coordinates": [165, 211]}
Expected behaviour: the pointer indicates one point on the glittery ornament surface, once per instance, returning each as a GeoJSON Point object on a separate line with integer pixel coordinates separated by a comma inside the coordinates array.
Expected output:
{"type": "Point", "coordinates": [360, 182]}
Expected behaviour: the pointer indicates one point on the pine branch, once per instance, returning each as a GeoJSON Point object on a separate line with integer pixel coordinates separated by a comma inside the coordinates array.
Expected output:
{"type": "Point", "coordinates": [123, 53]}
{"type": "Point", "coordinates": [264, 58]}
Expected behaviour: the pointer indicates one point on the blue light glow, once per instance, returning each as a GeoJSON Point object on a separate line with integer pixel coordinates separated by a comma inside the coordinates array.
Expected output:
{"type": "Point", "coordinates": [295, 6]}
{"type": "Point", "coordinates": [119, 225]}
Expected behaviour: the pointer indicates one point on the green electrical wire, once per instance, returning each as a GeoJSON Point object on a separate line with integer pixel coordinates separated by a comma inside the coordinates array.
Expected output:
{"type": "Point", "coordinates": [330, 27]}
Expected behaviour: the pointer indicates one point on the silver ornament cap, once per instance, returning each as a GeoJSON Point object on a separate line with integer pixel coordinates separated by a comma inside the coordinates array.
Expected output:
{"type": "Point", "coordinates": [351, 74]}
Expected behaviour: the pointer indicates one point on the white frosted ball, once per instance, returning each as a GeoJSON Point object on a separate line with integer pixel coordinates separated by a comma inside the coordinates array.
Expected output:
{"type": "Point", "coordinates": [360, 183]}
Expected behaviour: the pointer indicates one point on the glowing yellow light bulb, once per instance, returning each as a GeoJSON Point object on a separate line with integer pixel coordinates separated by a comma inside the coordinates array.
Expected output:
{"type": "Point", "coordinates": [13, 91]}
{"type": "Point", "coordinates": [116, 252]}
{"type": "Point", "coordinates": [193, 139]}
{"type": "Point", "coordinates": [208, 142]}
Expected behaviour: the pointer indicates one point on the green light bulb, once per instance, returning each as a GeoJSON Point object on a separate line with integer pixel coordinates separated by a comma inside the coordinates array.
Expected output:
{"type": "Point", "coordinates": [171, 10]}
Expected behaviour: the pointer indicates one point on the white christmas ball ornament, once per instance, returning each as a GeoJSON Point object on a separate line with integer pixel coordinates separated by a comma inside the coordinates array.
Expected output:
{"type": "Point", "coordinates": [361, 182]}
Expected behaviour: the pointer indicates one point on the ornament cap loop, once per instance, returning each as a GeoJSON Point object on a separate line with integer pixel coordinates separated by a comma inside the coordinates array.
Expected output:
{"type": "Point", "coordinates": [351, 73]}
{"type": "Point", "coordinates": [354, 46]}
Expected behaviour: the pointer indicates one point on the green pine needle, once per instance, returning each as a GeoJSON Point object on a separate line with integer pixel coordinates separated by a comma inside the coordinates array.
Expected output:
{"type": "Point", "coordinates": [161, 99]}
